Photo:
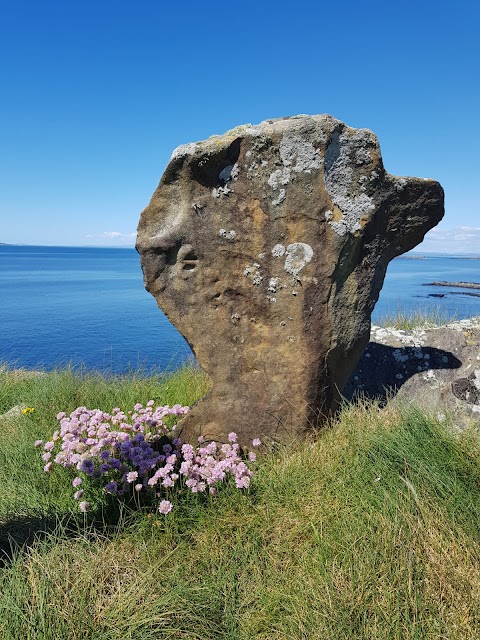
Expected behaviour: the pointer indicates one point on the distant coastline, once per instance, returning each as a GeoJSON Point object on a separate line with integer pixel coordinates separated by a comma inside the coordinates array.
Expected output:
{"type": "Point", "coordinates": [407, 256]}
{"type": "Point", "coordinates": [443, 283]}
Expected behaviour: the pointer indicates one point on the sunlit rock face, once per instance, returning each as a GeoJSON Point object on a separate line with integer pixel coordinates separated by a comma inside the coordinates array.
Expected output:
{"type": "Point", "coordinates": [267, 248]}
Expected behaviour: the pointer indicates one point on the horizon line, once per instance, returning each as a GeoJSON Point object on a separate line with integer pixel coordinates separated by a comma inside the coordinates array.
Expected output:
{"type": "Point", "coordinates": [129, 246]}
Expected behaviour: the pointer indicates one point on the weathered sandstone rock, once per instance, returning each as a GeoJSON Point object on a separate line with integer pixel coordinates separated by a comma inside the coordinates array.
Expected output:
{"type": "Point", "coordinates": [267, 248]}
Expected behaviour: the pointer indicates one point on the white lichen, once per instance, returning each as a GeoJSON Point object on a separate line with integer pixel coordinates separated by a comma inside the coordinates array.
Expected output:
{"type": "Point", "coordinates": [476, 378]}
{"type": "Point", "coordinates": [362, 156]}
{"type": "Point", "coordinates": [228, 235]}
{"type": "Point", "coordinates": [217, 192]}
{"type": "Point", "coordinates": [299, 153]}
{"type": "Point", "coordinates": [298, 254]}
{"type": "Point", "coordinates": [279, 177]}
{"type": "Point", "coordinates": [340, 227]}
{"type": "Point", "coordinates": [353, 202]}
{"type": "Point", "coordinates": [183, 150]}
{"type": "Point", "coordinates": [273, 285]}
{"type": "Point", "coordinates": [254, 273]}
{"type": "Point", "coordinates": [280, 198]}
{"type": "Point", "coordinates": [278, 251]}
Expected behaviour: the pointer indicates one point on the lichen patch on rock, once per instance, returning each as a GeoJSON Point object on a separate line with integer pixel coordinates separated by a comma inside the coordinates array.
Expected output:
{"type": "Point", "coordinates": [298, 254]}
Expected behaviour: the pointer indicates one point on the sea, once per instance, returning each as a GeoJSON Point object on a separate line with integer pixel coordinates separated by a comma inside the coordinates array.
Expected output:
{"type": "Point", "coordinates": [87, 307]}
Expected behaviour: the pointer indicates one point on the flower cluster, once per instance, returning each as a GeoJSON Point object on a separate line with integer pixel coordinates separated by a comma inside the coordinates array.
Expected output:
{"type": "Point", "coordinates": [138, 452]}
{"type": "Point", "coordinates": [28, 410]}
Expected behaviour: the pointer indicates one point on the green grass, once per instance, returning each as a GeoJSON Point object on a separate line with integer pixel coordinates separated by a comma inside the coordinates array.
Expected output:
{"type": "Point", "coordinates": [371, 530]}
{"type": "Point", "coordinates": [417, 319]}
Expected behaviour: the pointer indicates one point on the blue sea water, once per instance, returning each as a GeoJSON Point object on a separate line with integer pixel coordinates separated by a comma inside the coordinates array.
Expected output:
{"type": "Point", "coordinates": [87, 306]}
{"type": "Point", "coordinates": [405, 287]}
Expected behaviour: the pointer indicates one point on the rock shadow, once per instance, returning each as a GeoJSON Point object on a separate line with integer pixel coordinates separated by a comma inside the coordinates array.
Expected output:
{"type": "Point", "coordinates": [383, 370]}
{"type": "Point", "coordinates": [23, 531]}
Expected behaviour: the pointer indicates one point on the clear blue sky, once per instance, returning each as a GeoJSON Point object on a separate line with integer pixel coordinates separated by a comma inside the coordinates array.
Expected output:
{"type": "Point", "coordinates": [96, 95]}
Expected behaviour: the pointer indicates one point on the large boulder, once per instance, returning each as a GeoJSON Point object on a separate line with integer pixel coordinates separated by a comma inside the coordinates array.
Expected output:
{"type": "Point", "coordinates": [436, 368]}
{"type": "Point", "coordinates": [267, 248]}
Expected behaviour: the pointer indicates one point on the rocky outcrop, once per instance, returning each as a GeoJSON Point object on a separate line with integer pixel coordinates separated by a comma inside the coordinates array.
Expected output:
{"type": "Point", "coordinates": [437, 369]}
{"type": "Point", "coordinates": [267, 248]}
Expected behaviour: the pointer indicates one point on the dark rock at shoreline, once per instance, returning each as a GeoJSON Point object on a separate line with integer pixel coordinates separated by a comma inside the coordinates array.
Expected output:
{"type": "Point", "coordinates": [465, 285]}
{"type": "Point", "coordinates": [464, 293]}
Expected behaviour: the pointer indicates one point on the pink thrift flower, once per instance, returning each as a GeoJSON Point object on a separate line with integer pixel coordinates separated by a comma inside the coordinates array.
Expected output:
{"type": "Point", "coordinates": [38, 443]}
{"type": "Point", "coordinates": [232, 436]}
{"type": "Point", "coordinates": [138, 487]}
{"type": "Point", "coordinates": [46, 456]}
{"type": "Point", "coordinates": [165, 507]}
{"type": "Point", "coordinates": [84, 506]}
{"type": "Point", "coordinates": [47, 467]}
{"type": "Point", "coordinates": [242, 482]}
{"type": "Point", "coordinates": [252, 456]}
{"type": "Point", "coordinates": [49, 446]}
{"type": "Point", "coordinates": [132, 476]}
{"type": "Point", "coordinates": [187, 451]}
{"type": "Point", "coordinates": [76, 482]}
{"type": "Point", "coordinates": [78, 494]}
{"type": "Point", "coordinates": [256, 442]}
{"type": "Point", "coordinates": [185, 467]}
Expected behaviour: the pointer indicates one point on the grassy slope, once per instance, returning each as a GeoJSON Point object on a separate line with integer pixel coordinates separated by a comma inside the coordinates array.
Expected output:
{"type": "Point", "coordinates": [370, 531]}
